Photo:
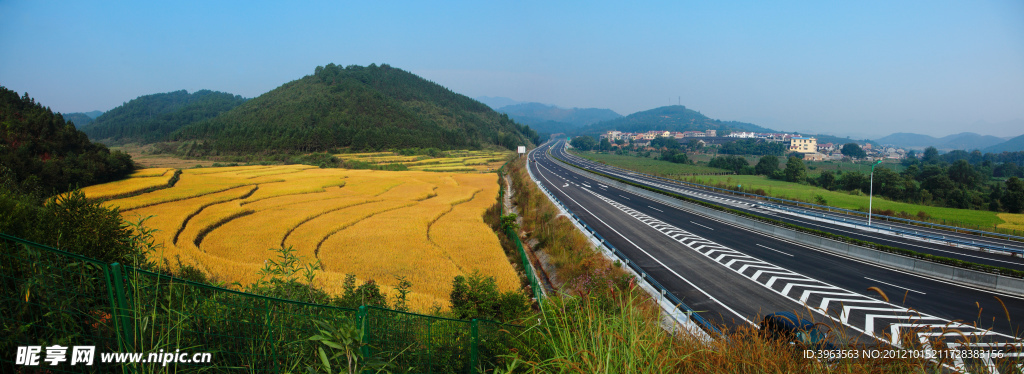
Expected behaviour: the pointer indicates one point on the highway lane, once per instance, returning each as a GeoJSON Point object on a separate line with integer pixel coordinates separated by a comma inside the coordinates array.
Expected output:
{"type": "Point", "coordinates": [993, 259]}
{"type": "Point", "coordinates": [745, 203]}
{"type": "Point", "coordinates": [729, 294]}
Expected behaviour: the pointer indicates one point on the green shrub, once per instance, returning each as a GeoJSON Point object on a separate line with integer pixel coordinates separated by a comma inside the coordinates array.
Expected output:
{"type": "Point", "coordinates": [478, 297]}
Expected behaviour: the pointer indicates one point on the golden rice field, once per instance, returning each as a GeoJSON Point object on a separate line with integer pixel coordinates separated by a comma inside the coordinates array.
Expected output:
{"type": "Point", "coordinates": [1013, 221]}
{"type": "Point", "coordinates": [425, 226]}
{"type": "Point", "coordinates": [454, 161]}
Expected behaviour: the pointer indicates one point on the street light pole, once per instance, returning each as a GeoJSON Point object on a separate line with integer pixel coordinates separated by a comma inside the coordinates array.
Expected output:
{"type": "Point", "coordinates": [871, 190]}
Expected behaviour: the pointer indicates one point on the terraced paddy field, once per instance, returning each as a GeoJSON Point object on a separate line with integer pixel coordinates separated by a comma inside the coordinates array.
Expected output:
{"type": "Point", "coordinates": [453, 161]}
{"type": "Point", "coordinates": [425, 226]}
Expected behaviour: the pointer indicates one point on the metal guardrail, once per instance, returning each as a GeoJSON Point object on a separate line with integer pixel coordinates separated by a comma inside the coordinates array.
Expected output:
{"type": "Point", "coordinates": [841, 210]}
{"type": "Point", "coordinates": [899, 230]}
{"type": "Point", "coordinates": [632, 265]}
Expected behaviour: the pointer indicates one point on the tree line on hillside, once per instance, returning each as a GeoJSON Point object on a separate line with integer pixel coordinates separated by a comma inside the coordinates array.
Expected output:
{"type": "Point", "coordinates": [958, 179]}
{"type": "Point", "coordinates": [41, 154]}
{"type": "Point", "coordinates": [150, 118]}
{"type": "Point", "coordinates": [362, 108]}
{"type": "Point", "coordinates": [753, 147]}
{"type": "Point", "coordinates": [933, 182]}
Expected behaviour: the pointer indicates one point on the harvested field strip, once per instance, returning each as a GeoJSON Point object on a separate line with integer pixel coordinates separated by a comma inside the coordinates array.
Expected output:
{"type": "Point", "coordinates": [294, 186]}
{"type": "Point", "coordinates": [308, 235]}
{"type": "Point", "coordinates": [1013, 221]}
{"type": "Point", "coordinates": [231, 169]}
{"type": "Point", "coordinates": [189, 186]}
{"type": "Point", "coordinates": [275, 201]}
{"type": "Point", "coordinates": [220, 199]}
{"type": "Point", "coordinates": [401, 249]}
{"type": "Point", "coordinates": [151, 172]}
{"type": "Point", "coordinates": [269, 228]}
{"type": "Point", "coordinates": [316, 252]}
{"type": "Point", "coordinates": [206, 230]}
{"type": "Point", "coordinates": [127, 187]}
{"type": "Point", "coordinates": [446, 168]}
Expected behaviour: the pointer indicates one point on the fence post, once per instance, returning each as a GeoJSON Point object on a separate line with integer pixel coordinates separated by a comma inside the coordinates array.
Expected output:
{"type": "Point", "coordinates": [273, 341]}
{"type": "Point", "coordinates": [474, 339]}
{"type": "Point", "coordinates": [126, 330]}
{"type": "Point", "coordinates": [364, 335]}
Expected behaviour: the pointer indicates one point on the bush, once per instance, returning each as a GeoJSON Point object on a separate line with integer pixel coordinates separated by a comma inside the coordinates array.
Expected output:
{"type": "Point", "coordinates": [478, 297]}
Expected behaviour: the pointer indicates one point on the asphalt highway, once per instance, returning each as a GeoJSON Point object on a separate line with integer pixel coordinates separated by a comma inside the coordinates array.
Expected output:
{"type": "Point", "coordinates": [758, 207]}
{"type": "Point", "coordinates": [733, 276]}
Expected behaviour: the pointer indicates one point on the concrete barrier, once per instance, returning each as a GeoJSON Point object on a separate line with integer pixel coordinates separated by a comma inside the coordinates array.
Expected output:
{"type": "Point", "coordinates": [919, 266]}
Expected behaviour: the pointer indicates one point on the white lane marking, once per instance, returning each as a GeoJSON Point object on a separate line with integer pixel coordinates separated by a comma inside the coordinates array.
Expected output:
{"type": "Point", "coordinates": [776, 250]}
{"type": "Point", "coordinates": [807, 282]}
{"type": "Point", "coordinates": [624, 197]}
{"type": "Point", "coordinates": [655, 208]}
{"type": "Point", "coordinates": [649, 254]}
{"type": "Point", "coordinates": [890, 284]}
{"type": "Point", "coordinates": [695, 223]}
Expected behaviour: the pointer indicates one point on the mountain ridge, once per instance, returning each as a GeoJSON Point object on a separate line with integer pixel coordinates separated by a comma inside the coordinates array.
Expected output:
{"type": "Point", "coordinates": [669, 118]}
{"type": "Point", "coordinates": [963, 141]}
{"type": "Point", "coordinates": [150, 118]}
{"type": "Point", "coordinates": [373, 107]}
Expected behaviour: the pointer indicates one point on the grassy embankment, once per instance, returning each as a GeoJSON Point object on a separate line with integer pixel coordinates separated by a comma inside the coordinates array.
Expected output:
{"type": "Point", "coordinates": [979, 219]}
{"type": "Point", "coordinates": [601, 322]}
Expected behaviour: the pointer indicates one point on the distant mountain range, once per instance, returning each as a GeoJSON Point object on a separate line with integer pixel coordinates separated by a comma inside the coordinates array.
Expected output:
{"type": "Point", "coordinates": [669, 118]}
{"type": "Point", "coordinates": [551, 119]}
{"type": "Point", "coordinates": [496, 102]}
{"type": "Point", "coordinates": [964, 141]}
{"type": "Point", "coordinates": [1012, 145]}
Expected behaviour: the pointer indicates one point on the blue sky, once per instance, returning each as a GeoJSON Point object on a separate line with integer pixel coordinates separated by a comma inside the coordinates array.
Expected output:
{"type": "Point", "coordinates": [852, 68]}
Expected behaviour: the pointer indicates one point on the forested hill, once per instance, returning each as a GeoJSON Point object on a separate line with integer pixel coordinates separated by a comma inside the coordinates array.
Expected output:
{"type": "Point", "coordinates": [669, 118]}
{"type": "Point", "coordinates": [372, 107]}
{"type": "Point", "coordinates": [151, 118]}
{"type": "Point", "coordinates": [42, 153]}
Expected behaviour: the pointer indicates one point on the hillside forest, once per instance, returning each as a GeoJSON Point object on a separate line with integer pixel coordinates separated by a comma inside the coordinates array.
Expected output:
{"type": "Point", "coordinates": [355, 107]}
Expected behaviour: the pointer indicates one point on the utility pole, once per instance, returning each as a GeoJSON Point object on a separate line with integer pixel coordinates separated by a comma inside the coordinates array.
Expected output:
{"type": "Point", "coordinates": [871, 190]}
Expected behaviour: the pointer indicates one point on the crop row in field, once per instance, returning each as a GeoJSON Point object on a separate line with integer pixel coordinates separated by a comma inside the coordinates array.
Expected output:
{"type": "Point", "coordinates": [480, 161]}
{"type": "Point", "coordinates": [426, 227]}
{"type": "Point", "coordinates": [138, 183]}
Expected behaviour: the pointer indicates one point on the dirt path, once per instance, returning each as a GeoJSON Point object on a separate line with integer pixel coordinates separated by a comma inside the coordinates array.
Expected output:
{"type": "Point", "coordinates": [542, 268]}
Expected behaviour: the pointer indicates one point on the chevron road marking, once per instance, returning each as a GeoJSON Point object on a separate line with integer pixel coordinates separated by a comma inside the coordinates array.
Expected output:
{"type": "Point", "coordinates": [857, 311]}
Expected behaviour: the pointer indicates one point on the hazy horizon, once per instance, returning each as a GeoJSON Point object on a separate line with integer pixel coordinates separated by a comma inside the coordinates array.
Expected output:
{"type": "Point", "coordinates": [862, 68]}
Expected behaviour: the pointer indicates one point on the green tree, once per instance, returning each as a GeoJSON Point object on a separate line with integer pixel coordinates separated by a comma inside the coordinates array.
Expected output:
{"type": "Point", "coordinates": [795, 170]}
{"type": "Point", "coordinates": [1013, 198]}
{"type": "Point", "coordinates": [583, 143]}
{"type": "Point", "coordinates": [964, 174]}
{"type": "Point", "coordinates": [605, 145]}
{"type": "Point", "coordinates": [852, 150]}
{"type": "Point", "coordinates": [675, 156]}
{"type": "Point", "coordinates": [767, 165]}
{"type": "Point", "coordinates": [931, 156]}
{"type": "Point", "coordinates": [827, 180]}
